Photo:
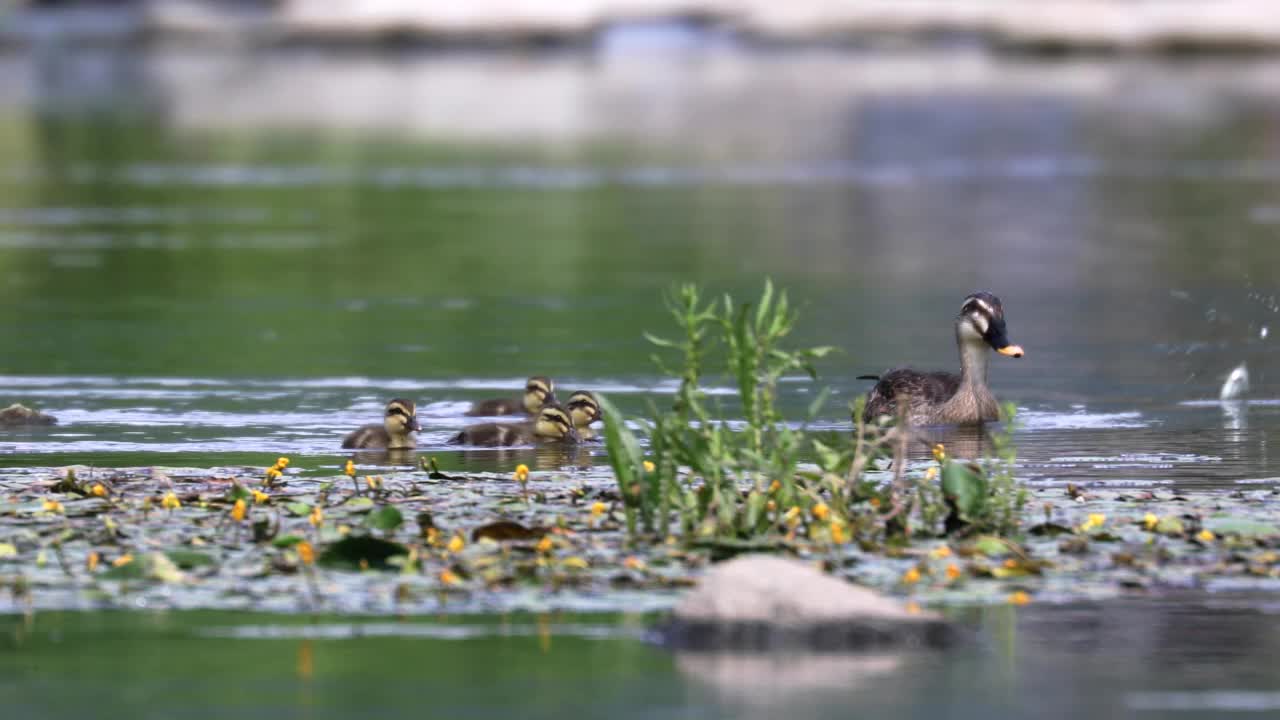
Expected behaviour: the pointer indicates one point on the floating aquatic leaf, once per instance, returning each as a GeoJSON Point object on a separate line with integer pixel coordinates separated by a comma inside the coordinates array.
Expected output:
{"type": "Point", "coordinates": [285, 541]}
{"type": "Point", "coordinates": [358, 505]}
{"type": "Point", "coordinates": [386, 518]}
{"type": "Point", "coordinates": [1241, 527]}
{"type": "Point", "coordinates": [1049, 529]}
{"type": "Point", "coordinates": [188, 559]}
{"type": "Point", "coordinates": [355, 551]}
{"type": "Point", "coordinates": [7, 550]}
{"type": "Point", "coordinates": [504, 530]}
{"type": "Point", "coordinates": [298, 509]}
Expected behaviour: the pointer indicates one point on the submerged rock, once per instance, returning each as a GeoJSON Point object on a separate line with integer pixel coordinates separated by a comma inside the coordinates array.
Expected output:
{"type": "Point", "coordinates": [17, 415]}
{"type": "Point", "coordinates": [767, 602]}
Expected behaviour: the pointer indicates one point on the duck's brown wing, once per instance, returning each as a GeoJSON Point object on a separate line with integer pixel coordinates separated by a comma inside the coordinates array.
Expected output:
{"type": "Point", "coordinates": [498, 406]}
{"type": "Point", "coordinates": [493, 435]}
{"type": "Point", "coordinates": [369, 436]}
{"type": "Point", "coordinates": [923, 388]}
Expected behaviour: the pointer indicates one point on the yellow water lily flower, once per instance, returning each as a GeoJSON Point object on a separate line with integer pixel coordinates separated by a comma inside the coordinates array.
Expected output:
{"type": "Point", "coordinates": [649, 466]}
{"type": "Point", "coordinates": [123, 560]}
{"type": "Point", "coordinates": [282, 462]}
{"type": "Point", "coordinates": [91, 562]}
{"type": "Point", "coordinates": [317, 516]}
{"type": "Point", "coordinates": [53, 506]}
{"type": "Point", "coordinates": [544, 545]}
{"type": "Point", "coordinates": [238, 510]}
{"type": "Point", "coordinates": [456, 543]}
{"type": "Point", "coordinates": [306, 553]}
{"type": "Point", "coordinates": [940, 552]}
{"type": "Point", "coordinates": [1205, 536]}
{"type": "Point", "coordinates": [170, 502]}
{"type": "Point", "coordinates": [1150, 521]}
{"type": "Point", "coordinates": [522, 473]}
{"type": "Point", "coordinates": [99, 490]}
{"type": "Point", "coordinates": [839, 535]}
{"type": "Point", "coordinates": [350, 469]}
{"type": "Point", "coordinates": [598, 509]}
{"type": "Point", "coordinates": [1019, 597]}
{"type": "Point", "coordinates": [953, 571]}
{"type": "Point", "coordinates": [260, 497]}
{"type": "Point", "coordinates": [939, 452]}
{"type": "Point", "coordinates": [449, 577]}
{"type": "Point", "coordinates": [911, 576]}
{"type": "Point", "coordinates": [821, 511]}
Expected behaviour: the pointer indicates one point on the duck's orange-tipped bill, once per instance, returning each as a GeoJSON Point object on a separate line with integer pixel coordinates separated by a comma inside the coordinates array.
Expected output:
{"type": "Point", "coordinates": [1011, 350]}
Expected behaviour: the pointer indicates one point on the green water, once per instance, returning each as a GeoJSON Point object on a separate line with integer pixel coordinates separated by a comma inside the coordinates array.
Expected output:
{"type": "Point", "coordinates": [1115, 660]}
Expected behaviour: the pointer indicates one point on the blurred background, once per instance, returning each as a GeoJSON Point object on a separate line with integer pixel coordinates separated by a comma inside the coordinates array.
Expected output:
{"type": "Point", "coordinates": [242, 226]}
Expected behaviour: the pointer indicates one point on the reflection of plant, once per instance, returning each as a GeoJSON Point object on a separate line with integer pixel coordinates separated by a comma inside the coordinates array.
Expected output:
{"type": "Point", "coordinates": [706, 480]}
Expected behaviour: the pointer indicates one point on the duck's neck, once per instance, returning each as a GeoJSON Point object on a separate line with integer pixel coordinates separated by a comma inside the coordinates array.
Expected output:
{"type": "Point", "coordinates": [973, 363]}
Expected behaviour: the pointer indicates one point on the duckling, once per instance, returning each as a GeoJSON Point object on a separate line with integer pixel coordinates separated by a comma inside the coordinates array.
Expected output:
{"type": "Point", "coordinates": [942, 398]}
{"type": "Point", "coordinates": [538, 391]}
{"type": "Point", "coordinates": [17, 415]}
{"type": "Point", "coordinates": [395, 433]}
{"type": "Point", "coordinates": [552, 424]}
{"type": "Point", "coordinates": [584, 409]}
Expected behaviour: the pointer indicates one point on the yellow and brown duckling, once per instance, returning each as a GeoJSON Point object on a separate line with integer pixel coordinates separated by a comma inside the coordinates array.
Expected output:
{"type": "Point", "coordinates": [943, 398]}
{"type": "Point", "coordinates": [539, 390]}
{"type": "Point", "coordinates": [553, 424]}
{"type": "Point", "coordinates": [584, 409]}
{"type": "Point", "coordinates": [395, 433]}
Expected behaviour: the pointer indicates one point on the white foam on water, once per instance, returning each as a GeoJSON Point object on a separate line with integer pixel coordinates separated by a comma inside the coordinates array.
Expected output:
{"type": "Point", "coordinates": [1080, 420]}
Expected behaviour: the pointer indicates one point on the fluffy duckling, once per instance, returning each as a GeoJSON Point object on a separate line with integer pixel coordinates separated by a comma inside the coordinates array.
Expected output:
{"type": "Point", "coordinates": [395, 433]}
{"type": "Point", "coordinates": [538, 391]}
{"type": "Point", "coordinates": [943, 398]}
{"type": "Point", "coordinates": [17, 415]}
{"type": "Point", "coordinates": [584, 409]}
{"type": "Point", "coordinates": [553, 424]}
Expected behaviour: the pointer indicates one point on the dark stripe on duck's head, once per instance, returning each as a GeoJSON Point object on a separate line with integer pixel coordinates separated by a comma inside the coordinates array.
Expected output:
{"type": "Point", "coordinates": [986, 313]}
{"type": "Point", "coordinates": [584, 402]}
{"type": "Point", "coordinates": [405, 409]}
{"type": "Point", "coordinates": [540, 384]}
{"type": "Point", "coordinates": [557, 417]}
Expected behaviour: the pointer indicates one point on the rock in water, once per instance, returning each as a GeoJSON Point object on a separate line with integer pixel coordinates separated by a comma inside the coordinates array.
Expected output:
{"type": "Point", "coordinates": [1236, 385]}
{"type": "Point", "coordinates": [17, 415]}
{"type": "Point", "coordinates": [764, 602]}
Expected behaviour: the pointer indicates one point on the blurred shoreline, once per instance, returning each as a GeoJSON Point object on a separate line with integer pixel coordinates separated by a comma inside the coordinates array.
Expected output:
{"type": "Point", "coordinates": [1043, 26]}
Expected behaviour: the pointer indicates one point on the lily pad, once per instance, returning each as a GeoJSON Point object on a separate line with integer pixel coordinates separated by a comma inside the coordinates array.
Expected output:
{"type": "Point", "coordinates": [357, 551]}
{"type": "Point", "coordinates": [1241, 527]}
{"type": "Point", "coordinates": [502, 530]}
{"type": "Point", "coordinates": [386, 518]}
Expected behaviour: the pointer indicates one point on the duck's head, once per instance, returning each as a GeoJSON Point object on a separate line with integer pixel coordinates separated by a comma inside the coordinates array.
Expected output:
{"type": "Point", "coordinates": [555, 423]}
{"type": "Point", "coordinates": [981, 320]}
{"type": "Point", "coordinates": [538, 391]}
{"type": "Point", "coordinates": [401, 417]}
{"type": "Point", "coordinates": [583, 408]}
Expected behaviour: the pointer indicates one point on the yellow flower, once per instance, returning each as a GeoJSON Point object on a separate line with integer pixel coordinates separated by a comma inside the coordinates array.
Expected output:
{"type": "Point", "coordinates": [351, 469]}
{"type": "Point", "coordinates": [775, 486]}
{"type": "Point", "coordinates": [1205, 536]}
{"type": "Point", "coordinates": [939, 452]}
{"type": "Point", "coordinates": [649, 466]}
{"type": "Point", "coordinates": [874, 503]}
{"type": "Point", "coordinates": [92, 561]}
{"type": "Point", "coordinates": [456, 543]}
{"type": "Point", "coordinates": [931, 474]}
{"type": "Point", "coordinates": [771, 506]}
{"type": "Point", "coordinates": [838, 534]}
{"type": "Point", "coordinates": [598, 509]}
{"type": "Point", "coordinates": [522, 473]}
{"type": "Point", "coordinates": [306, 553]}
{"type": "Point", "coordinates": [953, 571]}
{"type": "Point", "coordinates": [170, 502]}
{"type": "Point", "coordinates": [912, 608]}
{"type": "Point", "coordinates": [433, 537]}
{"type": "Point", "coordinates": [1010, 564]}
{"type": "Point", "coordinates": [123, 560]}
{"type": "Point", "coordinates": [911, 576]}
{"type": "Point", "coordinates": [53, 506]}
{"type": "Point", "coordinates": [374, 482]}
{"type": "Point", "coordinates": [1095, 520]}
{"type": "Point", "coordinates": [792, 516]}
{"type": "Point", "coordinates": [273, 474]}
{"type": "Point", "coordinates": [260, 497]}
{"type": "Point", "coordinates": [940, 552]}
{"type": "Point", "coordinates": [633, 563]}
{"type": "Point", "coordinates": [316, 517]}
{"type": "Point", "coordinates": [544, 545]}
{"type": "Point", "coordinates": [98, 490]}
{"type": "Point", "coordinates": [238, 510]}
{"type": "Point", "coordinates": [282, 462]}
{"type": "Point", "coordinates": [1019, 598]}
{"type": "Point", "coordinates": [1149, 521]}
{"type": "Point", "coordinates": [449, 577]}
{"type": "Point", "coordinates": [821, 511]}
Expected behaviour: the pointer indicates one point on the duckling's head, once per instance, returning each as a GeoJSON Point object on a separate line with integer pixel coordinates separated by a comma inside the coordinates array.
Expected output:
{"type": "Point", "coordinates": [538, 391]}
{"type": "Point", "coordinates": [555, 423]}
{"type": "Point", "coordinates": [981, 320]}
{"type": "Point", "coordinates": [401, 418]}
{"type": "Point", "coordinates": [583, 408]}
